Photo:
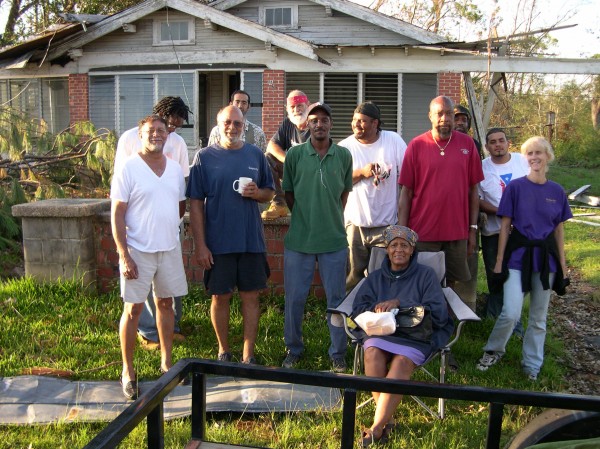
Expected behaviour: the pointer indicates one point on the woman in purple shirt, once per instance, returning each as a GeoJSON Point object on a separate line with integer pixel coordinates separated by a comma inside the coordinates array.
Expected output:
{"type": "Point", "coordinates": [532, 254]}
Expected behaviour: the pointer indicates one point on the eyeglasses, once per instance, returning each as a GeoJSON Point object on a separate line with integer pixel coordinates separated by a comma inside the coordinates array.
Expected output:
{"type": "Point", "coordinates": [235, 123]}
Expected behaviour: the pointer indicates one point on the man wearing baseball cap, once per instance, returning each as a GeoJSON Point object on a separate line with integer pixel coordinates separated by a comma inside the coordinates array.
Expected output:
{"type": "Point", "coordinates": [373, 203]}
{"type": "Point", "coordinates": [317, 177]}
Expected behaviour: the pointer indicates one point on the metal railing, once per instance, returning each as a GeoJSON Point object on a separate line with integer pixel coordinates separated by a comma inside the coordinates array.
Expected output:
{"type": "Point", "coordinates": [150, 404]}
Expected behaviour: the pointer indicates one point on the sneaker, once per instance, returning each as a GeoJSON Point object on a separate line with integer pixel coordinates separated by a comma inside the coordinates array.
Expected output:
{"type": "Point", "coordinates": [148, 344]}
{"type": "Point", "coordinates": [275, 211]}
{"type": "Point", "coordinates": [532, 377]}
{"type": "Point", "coordinates": [488, 359]}
{"type": "Point", "coordinates": [338, 365]}
{"type": "Point", "coordinates": [224, 357]}
{"type": "Point", "coordinates": [250, 361]}
{"type": "Point", "coordinates": [290, 360]}
{"type": "Point", "coordinates": [130, 389]}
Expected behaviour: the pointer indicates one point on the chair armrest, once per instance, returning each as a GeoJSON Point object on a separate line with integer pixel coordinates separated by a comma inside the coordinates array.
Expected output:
{"type": "Point", "coordinates": [458, 307]}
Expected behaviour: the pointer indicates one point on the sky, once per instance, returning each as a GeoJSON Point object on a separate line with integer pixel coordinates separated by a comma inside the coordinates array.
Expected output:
{"type": "Point", "coordinates": [582, 41]}
{"type": "Point", "coordinates": [579, 42]}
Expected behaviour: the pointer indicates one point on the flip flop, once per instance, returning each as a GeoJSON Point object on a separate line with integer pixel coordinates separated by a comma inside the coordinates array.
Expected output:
{"type": "Point", "coordinates": [387, 431]}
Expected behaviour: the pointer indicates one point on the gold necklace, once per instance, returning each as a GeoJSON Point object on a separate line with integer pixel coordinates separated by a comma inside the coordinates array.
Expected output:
{"type": "Point", "coordinates": [445, 146]}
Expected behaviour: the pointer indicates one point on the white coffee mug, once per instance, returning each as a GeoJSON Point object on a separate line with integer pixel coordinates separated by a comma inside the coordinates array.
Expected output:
{"type": "Point", "coordinates": [242, 183]}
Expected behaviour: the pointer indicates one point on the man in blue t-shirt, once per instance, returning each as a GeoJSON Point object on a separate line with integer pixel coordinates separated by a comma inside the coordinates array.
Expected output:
{"type": "Point", "coordinates": [228, 231]}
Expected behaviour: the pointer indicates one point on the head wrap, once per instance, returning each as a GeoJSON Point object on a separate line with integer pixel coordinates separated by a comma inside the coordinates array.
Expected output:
{"type": "Point", "coordinates": [396, 231]}
{"type": "Point", "coordinates": [298, 99]}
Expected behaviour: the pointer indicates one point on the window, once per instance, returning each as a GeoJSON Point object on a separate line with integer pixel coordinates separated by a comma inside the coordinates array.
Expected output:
{"type": "Point", "coordinates": [118, 102]}
{"type": "Point", "coordinates": [169, 32]}
{"type": "Point", "coordinates": [284, 17]}
{"type": "Point", "coordinates": [252, 83]}
{"type": "Point", "coordinates": [402, 98]}
{"type": "Point", "coordinates": [45, 98]}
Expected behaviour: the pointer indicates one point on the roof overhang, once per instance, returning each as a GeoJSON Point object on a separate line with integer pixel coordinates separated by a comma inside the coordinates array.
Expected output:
{"type": "Point", "coordinates": [195, 9]}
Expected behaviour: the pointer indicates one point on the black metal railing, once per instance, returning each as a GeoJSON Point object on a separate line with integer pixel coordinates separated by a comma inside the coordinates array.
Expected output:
{"type": "Point", "coordinates": [150, 404]}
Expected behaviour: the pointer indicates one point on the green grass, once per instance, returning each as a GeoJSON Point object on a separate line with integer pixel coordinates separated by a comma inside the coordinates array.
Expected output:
{"type": "Point", "coordinates": [62, 326]}
{"type": "Point", "coordinates": [572, 178]}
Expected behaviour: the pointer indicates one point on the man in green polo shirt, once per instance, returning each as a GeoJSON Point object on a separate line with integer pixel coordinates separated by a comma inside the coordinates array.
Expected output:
{"type": "Point", "coordinates": [317, 177]}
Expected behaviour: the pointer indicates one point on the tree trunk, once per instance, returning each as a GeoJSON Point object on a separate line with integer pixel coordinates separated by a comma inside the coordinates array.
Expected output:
{"type": "Point", "coordinates": [596, 113]}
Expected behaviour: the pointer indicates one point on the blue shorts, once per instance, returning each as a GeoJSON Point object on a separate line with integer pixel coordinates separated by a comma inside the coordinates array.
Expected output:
{"type": "Point", "coordinates": [246, 271]}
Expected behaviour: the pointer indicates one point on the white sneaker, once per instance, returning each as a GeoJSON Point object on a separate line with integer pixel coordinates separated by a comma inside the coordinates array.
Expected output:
{"type": "Point", "coordinates": [488, 359]}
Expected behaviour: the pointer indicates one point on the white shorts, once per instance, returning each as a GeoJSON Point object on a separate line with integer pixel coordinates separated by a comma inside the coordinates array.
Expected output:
{"type": "Point", "coordinates": [162, 270]}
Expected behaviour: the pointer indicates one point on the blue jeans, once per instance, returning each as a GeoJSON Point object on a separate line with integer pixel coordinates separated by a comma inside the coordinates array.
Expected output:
{"type": "Point", "coordinates": [535, 335]}
{"type": "Point", "coordinates": [298, 269]}
{"type": "Point", "coordinates": [489, 251]}
{"type": "Point", "coordinates": [147, 324]}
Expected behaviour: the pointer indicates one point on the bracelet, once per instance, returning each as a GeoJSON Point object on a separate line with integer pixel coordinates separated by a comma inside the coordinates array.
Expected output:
{"type": "Point", "coordinates": [473, 226]}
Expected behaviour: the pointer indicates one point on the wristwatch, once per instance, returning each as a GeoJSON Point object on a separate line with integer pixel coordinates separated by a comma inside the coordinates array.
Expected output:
{"type": "Point", "coordinates": [473, 226]}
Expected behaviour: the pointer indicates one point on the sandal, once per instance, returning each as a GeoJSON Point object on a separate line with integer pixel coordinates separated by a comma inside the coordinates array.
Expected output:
{"type": "Point", "coordinates": [387, 431]}
{"type": "Point", "coordinates": [368, 438]}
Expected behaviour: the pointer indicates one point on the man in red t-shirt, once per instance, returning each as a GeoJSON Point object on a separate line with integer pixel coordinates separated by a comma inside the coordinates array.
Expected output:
{"type": "Point", "coordinates": [439, 199]}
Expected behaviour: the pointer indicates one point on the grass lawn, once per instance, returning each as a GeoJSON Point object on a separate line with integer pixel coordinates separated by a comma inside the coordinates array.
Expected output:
{"type": "Point", "coordinates": [61, 326]}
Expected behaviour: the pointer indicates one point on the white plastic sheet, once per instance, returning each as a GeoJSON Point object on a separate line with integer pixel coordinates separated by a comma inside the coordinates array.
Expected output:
{"type": "Point", "coordinates": [44, 400]}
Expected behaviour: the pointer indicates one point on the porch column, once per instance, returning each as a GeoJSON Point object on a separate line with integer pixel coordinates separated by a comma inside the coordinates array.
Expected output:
{"type": "Point", "coordinates": [449, 85]}
{"type": "Point", "coordinates": [273, 100]}
{"type": "Point", "coordinates": [79, 108]}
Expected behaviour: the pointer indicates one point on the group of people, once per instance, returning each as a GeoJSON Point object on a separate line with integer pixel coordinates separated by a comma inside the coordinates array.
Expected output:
{"type": "Point", "coordinates": [369, 190]}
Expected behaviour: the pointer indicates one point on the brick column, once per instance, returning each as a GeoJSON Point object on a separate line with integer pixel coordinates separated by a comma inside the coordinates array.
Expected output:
{"type": "Point", "coordinates": [449, 85]}
{"type": "Point", "coordinates": [79, 97]}
{"type": "Point", "coordinates": [273, 100]}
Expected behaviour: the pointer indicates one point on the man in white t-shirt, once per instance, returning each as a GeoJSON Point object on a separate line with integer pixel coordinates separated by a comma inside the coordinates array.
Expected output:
{"type": "Point", "coordinates": [148, 200]}
{"type": "Point", "coordinates": [175, 112]}
{"type": "Point", "coordinates": [373, 202]}
{"type": "Point", "coordinates": [500, 168]}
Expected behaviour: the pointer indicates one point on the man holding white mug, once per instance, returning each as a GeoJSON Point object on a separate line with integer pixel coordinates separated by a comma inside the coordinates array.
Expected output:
{"type": "Point", "coordinates": [227, 181]}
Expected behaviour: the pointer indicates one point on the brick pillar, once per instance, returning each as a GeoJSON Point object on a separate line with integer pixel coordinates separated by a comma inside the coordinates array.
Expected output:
{"type": "Point", "coordinates": [449, 85]}
{"type": "Point", "coordinates": [273, 100]}
{"type": "Point", "coordinates": [79, 97]}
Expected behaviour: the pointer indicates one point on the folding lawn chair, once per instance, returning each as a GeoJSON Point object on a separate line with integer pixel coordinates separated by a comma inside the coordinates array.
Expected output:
{"type": "Point", "coordinates": [462, 313]}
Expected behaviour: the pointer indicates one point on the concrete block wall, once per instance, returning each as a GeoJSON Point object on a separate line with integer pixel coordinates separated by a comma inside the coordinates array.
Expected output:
{"type": "Point", "coordinates": [59, 238]}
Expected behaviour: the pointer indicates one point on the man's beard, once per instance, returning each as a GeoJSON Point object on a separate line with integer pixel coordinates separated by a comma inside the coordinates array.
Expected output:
{"type": "Point", "coordinates": [296, 120]}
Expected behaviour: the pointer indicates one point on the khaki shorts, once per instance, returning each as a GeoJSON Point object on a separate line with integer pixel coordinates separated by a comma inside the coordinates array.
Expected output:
{"type": "Point", "coordinates": [162, 270]}
{"type": "Point", "coordinates": [455, 251]}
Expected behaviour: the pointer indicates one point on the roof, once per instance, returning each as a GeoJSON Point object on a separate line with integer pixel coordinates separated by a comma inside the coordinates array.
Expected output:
{"type": "Point", "coordinates": [54, 45]}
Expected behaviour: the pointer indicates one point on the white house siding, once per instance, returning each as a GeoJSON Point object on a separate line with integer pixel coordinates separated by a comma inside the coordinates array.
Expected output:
{"type": "Point", "coordinates": [142, 41]}
{"type": "Point", "coordinates": [315, 26]}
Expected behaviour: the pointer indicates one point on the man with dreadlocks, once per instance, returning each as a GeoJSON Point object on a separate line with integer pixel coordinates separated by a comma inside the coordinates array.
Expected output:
{"type": "Point", "coordinates": [174, 111]}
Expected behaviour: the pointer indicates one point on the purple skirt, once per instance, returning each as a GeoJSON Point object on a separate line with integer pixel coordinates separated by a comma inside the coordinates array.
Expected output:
{"type": "Point", "coordinates": [416, 356]}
